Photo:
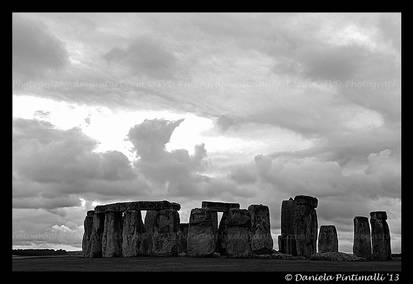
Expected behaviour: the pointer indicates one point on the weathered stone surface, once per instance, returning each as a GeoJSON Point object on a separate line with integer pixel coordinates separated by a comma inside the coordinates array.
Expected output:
{"type": "Point", "coordinates": [202, 232]}
{"type": "Point", "coordinates": [327, 239]}
{"type": "Point", "coordinates": [97, 234]}
{"type": "Point", "coordinates": [219, 206]}
{"type": "Point", "coordinates": [165, 238]}
{"type": "Point", "coordinates": [305, 225]}
{"type": "Point", "coordinates": [336, 256]}
{"type": "Point", "coordinates": [138, 205]}
{"type": "Point", "coordinates": [380, 236]}
{"type": "Point", "coordinates": [238, 239]}
{"type": "Point", "coordinates": [132, 233]}
{"type": "Point", "coordinates": [112, 234]}
{"type": "Point", "coordinates": [161, 233]}
{"type": "Point", "coordinates": [261, 240]}
{"type": "Point", "coordinates": [362, 239]}
{"type": "Point", "coordinates": [88, 227]}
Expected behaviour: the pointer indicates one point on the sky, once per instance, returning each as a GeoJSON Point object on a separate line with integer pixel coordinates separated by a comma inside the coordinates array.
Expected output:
{"type": "Point", "coordinates": [248, 108]}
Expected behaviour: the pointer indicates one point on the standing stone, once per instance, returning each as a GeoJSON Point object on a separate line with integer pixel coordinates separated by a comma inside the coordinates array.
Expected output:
{"type": "Point", "coordinates": [132, 233]}
{"type": "Point", "coordinates": [362, 240]}
{"type": "Point", "coordinates": [261, 240]}
{"type": "Point", "coordinates": [238, 238]}
{"type": "Point", "coordinates": [286, 241]}
{"type": "Point", "coordinates": [88, 227]}
{"type": "Point", "coordinates": [202, 232]}
{"type": "Point", "coordinates": [161, 233]}
{"type": "Point", "coordinates": [165, 233]}
{"type": "Point", "coordinates": [182, 237]}
{"type": "Point", "coordinates": [97, 234]}
{"type": "Point", "coordinates": [380, 235]}
{"type": "Point", "coordinates": [112, 234]}
{"type": "Point", "coordinates": [327, 239]}
{"type": "Point", "coordinates": [305, 225]}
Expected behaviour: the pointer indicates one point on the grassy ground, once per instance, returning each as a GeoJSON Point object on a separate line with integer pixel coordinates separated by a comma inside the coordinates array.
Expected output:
{"type": "Point", "coordinates": [77, 263]}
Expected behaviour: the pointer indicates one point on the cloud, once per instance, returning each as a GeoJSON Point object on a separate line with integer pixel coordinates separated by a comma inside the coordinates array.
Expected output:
{"type": "Point", "coordinates": [36, 51]}
{"type": "Point", "coordinates": [302, 103]}
{"type": "Point", "coordinates": [145, 56]}
{"type": "Point", "coordinates": [49, 162]}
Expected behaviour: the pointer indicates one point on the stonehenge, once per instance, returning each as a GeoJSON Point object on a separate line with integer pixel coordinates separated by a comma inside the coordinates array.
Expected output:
{"type": "Point", "coordinates": [327, 239]}
{"type": "Point", "coordinates": [380, 236]}
{"type": "Point", "coordinates": [362, 238]}
{"type": "Point", "coordinates": [117, 230]}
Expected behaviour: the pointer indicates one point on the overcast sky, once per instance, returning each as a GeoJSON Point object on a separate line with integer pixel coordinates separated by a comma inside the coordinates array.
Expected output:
{"type": "Point", "coordinates": [248, 108]}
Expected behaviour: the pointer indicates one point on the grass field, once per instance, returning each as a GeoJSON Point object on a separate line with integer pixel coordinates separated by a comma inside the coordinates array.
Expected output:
{"type": "Point", "coordinates": [78, 263]}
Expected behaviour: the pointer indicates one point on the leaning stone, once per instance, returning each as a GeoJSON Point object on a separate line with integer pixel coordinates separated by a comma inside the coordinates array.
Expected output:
{"type": "Point", "coordinates": [88, 227]}
{"type": "Point", "coordinates": [219, 206]}
{"type": "Point", "coordinates": [132, 233]}
{"type": "Point", "coordinates": [327, 239]}
{"type": "Point", "coordinates": [380, 236]}
{"type": "Point", "coordinates": [201, 232]}
{"type": "Point", "coordinates": [97, 235]}
{"type": "Point", "coordinates": [238, 233]}
{"type": "Point", "coordinates": [305, 225]}
{"type": "Point", "coordinates": [261, 240]}
{"type": "Point", "coordinates": [362, 239]}
{"type": "Point", "coordinates": [112, 234]}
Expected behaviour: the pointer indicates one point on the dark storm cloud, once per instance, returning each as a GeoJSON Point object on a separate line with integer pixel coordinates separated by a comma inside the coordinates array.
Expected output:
{"type": "Point", "coordinates": [35, 50]}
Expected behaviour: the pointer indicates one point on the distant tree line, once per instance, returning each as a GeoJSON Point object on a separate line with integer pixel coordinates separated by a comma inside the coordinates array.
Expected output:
{"type": "Point", "coordinates": [38, 252]}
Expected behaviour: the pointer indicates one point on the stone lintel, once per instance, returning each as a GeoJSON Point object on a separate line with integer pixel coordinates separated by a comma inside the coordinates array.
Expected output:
{"type": "Point", "coordinates": [138, 205]}
{"type": "Point", "coordinates": [219, 206]}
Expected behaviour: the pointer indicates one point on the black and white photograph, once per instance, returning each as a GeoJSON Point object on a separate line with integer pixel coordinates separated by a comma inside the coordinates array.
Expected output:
{"type": "Point", "coordinates": [208, 142]}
